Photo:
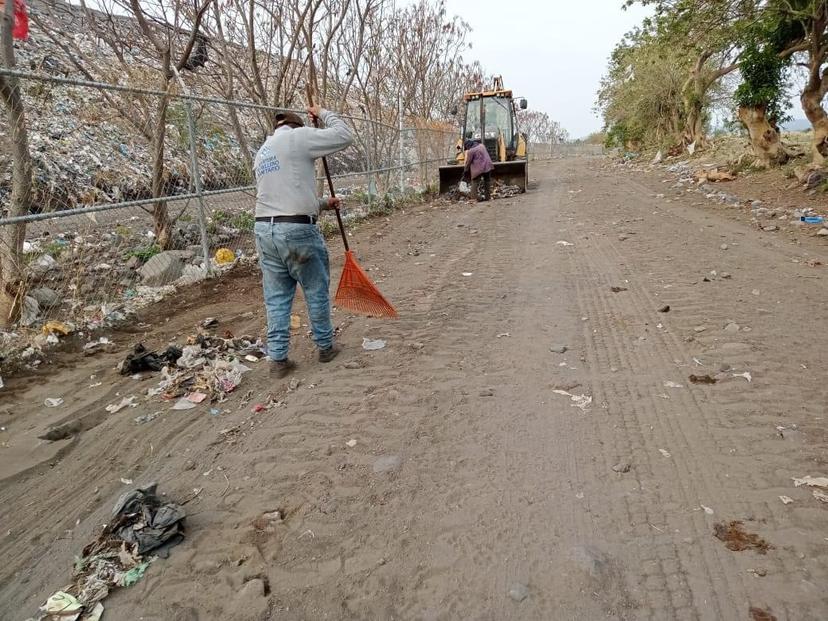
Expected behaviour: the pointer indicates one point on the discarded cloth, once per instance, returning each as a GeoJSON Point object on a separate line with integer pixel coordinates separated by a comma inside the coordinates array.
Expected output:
{"type": "Point", "coordinates": [141, 517]}
{"type": "Point", "coordinates": [142, 360]}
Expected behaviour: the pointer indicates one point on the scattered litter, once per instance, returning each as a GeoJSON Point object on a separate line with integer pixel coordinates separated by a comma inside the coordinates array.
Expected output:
{"type": "Point", "coordinates": [621, 468]}
{"type": "Point", "coordinates": [62, 605]}
{"type": "Point", "coordinates": [468, 273]}
{"type": "Point", "coordinates": [56, 327]}
{"type": "Point", "coordinates": [617, 289]}
{"type": "Point", "coordinates": [672, 385]}
{"type": "Point", "coordinates": [737, 540]}
{"type": "Point", "coordinates": [758, 573]}
{"type": "Point", "coordinates": [94, 347]}
{"type": "Point", "coordinates": [518, 592]}
{"type": "Point", "coordinates": [196, 397]}
{"type": "Point", "coordinates": [372, 345]}
{"type": "Point", "coordinates": [295, 322]}
{"type": "Point", "coordinates": [665, 453]}
{"type": "Point", "coordinates": [53, 403]}
{"type": "Point", "coordinates": [664, 309]}
{"type": "Point", "coordinates": [505, 190]}
{"type": "Point", "coordinates": [746, 375]}
{"type": "Point", "coordinates": [143, 518]}
{"type": "Point", "coordinates": [786, 500]}
{"type": "Point", "coordinates": [250, 358]}
{"type": "Point", "coordinates": [351, 443]}
{"type": "Point", "coordinates": [820, 495]}
{"type": "Point", "coordinates": [141, 523]}
{"type": "Point", "coordinates": [191, 357]}
{"type": "Point", "coordinates": [702, 379]}
{"type": "Point", "coordinates": [760, 614]}
{"type": "Point", "coordinates": [146, 418]}
{"type": "Point", "coordinates": [558, 349]}
{"type": "Point", "coordinates": [503, 335]}
{"type": "Point", "coordinates": [183, 404]}
{"type": "Point", "coordinates": [256, 409]}
{"type": "Point", "coordinates": [579, 401]}
{"type": "Point", "coordinates": [133, 575]}
{"type": "Point", "coordinates": [224, 256]}
{"type": "Point", "coordinates": [707, 510]}
{"type": "Point", "coordinates": [487, 392]}
{"type": "Point", "coordinates": [95, 614]}
{"type": "Point", "coordinates": [142, 360]}
{"type": "Point", "coordinates": [698, 362]}
{"type": "Point", "coordinates": [126, 481]}
{"type": "Point", "coordinates": [564, 243]}
{"type": "Point", "coordinates": [125, 402]}
{"type": "Point", "coordinates": [810, 481]}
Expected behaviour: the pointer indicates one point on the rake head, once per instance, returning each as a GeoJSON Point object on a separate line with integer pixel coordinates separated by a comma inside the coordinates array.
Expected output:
{"type": "Point", "coordinates": [358, 294]}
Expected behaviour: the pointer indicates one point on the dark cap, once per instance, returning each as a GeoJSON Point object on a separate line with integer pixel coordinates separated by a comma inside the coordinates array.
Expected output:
{"type": "Point", "coordinates": [469, 144]}
{"type": "Point", "coordinates": [288, 118]}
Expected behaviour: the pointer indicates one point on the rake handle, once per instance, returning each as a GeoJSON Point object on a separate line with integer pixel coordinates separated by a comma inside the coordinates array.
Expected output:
{"type": "Point", "coordinates": [328, 177]}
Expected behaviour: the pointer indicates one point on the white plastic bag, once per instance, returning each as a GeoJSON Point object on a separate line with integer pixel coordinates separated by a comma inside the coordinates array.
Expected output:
{"type": "Point", "coordinates": [464, 188]}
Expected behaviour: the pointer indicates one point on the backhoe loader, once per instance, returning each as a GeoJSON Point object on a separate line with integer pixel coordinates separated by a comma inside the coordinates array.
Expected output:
{"type": "Point", "coordinates": [490, 117]}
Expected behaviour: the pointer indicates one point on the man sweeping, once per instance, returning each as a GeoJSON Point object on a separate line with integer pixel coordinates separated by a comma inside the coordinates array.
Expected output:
{"type": "Point", "coordinates": [478, 166]}
{"type": "Point", "coordinates": [290, 245]}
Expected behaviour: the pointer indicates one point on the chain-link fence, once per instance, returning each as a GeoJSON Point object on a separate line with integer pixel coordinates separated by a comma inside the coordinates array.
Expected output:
{"type": "Point", "coordinates": [540, 151]}
{"type": "Point", "coordinates": [135, 190]}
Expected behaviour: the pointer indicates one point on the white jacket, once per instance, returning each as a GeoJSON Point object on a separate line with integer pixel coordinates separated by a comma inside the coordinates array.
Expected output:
{"type": "Point", "coordinates": [284, 166]}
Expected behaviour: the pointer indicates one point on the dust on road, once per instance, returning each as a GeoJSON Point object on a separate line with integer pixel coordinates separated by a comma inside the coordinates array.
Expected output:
{"type": "Point", "coordinates": [467, 470]}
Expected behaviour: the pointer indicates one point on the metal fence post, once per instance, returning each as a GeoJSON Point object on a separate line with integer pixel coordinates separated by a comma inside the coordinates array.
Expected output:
{"type": "Point", "coordinates": [195, 173]}
{"type": "Point", "coordinates": [400, 114]}
{"type": "Point", "coordinates": [369, 146]}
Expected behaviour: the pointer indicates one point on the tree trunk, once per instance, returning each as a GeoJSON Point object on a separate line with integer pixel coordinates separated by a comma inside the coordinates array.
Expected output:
{"type": "Point", "coordinates": [764, 138]}
{"type": "Point", "coordinates": [11, 236]}
{"type": "Point", "coordinates": [242, 139]}
{"type": "Point", "coordinates": [811, 100]}
{"type": "Point", "coordinates": [160, 214]}
{"type": "Point", "coordinates": [694, 120]}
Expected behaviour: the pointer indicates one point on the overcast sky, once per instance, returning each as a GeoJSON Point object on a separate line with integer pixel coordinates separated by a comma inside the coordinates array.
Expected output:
{"type": "Point", "coordinates": [552, 52]}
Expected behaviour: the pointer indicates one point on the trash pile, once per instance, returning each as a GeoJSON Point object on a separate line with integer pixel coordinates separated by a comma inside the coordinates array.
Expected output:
{"type": "Point", "coordinates": [83, 149]}
{"type": "Point", "coordinates": [122, 302]}
{"type": "Point", "coordinates": [142, 523]}
{"type": "Point", "coordinates": [205, 370]}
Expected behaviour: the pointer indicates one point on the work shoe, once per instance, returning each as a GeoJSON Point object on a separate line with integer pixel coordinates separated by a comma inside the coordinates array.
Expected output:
{"type": "Point", "coordinates": [280, 368]}
{"type": "Point", "coordinates": [326, 355]}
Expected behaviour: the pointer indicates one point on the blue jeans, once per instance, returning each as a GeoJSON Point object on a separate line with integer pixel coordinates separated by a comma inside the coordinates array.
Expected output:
{"type": "Point", "coordinates": [288, 254]}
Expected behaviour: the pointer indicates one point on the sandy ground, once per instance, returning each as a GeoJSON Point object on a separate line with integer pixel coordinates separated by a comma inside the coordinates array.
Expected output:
{"type": "Point", "coordinates": [470, 475]}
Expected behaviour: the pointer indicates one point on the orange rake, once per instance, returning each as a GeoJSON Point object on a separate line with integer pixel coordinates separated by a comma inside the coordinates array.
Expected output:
{"type": "Point", "coordinates": [356, 292]}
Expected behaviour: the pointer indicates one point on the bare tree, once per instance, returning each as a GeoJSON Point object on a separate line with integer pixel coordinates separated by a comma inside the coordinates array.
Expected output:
{"type": "Point", "coordinates": [539, 128]}
{"type": "Point", "coordinates": [143, 45]}
{"type": "Point", "coordinates": [11, 236]}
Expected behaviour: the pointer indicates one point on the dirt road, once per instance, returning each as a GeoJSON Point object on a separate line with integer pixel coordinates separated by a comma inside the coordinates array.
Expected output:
{"type": "Point", "coordinates": [475, 490]}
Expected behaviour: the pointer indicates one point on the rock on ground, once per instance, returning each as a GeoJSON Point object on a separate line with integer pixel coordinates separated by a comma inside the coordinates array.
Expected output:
{"type": "Point", "coordinates": [162, 269]}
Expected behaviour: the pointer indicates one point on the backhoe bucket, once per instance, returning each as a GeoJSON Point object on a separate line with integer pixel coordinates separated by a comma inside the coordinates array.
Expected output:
{"type": "Point", "coordinates": [508, 173]}
{"type": "Point", "coordinates": [450, 176]}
